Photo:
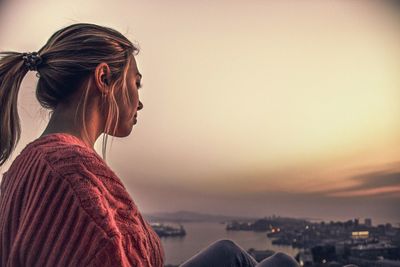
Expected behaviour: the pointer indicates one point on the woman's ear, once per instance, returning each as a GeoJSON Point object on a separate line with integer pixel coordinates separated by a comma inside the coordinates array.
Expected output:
{"type": "Point", "coordinates": [102, 77]}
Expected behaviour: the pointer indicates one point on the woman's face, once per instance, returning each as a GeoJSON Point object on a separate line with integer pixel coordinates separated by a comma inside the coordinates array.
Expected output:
{"type": "Point", "coordinates": [128, 109]}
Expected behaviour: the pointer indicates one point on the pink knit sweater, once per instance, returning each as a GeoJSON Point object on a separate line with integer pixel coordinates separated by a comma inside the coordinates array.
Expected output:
{"type": "Point", "coordinates": [61, 205]}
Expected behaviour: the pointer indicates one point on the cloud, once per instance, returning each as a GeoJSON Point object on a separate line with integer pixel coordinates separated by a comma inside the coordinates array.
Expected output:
{"type": "Point", "coordinates": [369, 192]}
{"type": "Point", "coordinates": [384, 182]}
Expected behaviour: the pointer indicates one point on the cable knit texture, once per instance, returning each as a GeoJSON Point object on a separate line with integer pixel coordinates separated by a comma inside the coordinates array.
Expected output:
{"type": "Point", "coordinates": [61, 205]}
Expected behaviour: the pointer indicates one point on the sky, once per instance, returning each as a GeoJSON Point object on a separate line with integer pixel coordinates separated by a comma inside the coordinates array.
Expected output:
{"type": "Point", "coordinates": [251, 108]}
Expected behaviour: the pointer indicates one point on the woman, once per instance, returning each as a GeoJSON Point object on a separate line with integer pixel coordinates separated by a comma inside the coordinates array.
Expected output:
{"type": "Point", "coordinates": [60, 203]}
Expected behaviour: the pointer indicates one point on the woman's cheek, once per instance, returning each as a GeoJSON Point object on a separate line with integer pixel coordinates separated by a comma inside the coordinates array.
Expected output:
{"type": "Point", "coordinates": [135, 101]}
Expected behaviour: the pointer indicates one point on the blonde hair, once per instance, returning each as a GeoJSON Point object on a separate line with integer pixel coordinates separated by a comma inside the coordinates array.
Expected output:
{"type": "Point", "coordinates": [69, 57]}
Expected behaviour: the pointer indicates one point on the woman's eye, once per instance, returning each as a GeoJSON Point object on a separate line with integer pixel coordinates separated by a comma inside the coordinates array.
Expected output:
{"type": "Point", "coordinates": [139, 85]}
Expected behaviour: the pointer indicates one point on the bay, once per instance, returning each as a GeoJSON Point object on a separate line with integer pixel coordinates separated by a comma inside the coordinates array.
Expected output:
{"type": "Point", "coordinates": [201, 234]}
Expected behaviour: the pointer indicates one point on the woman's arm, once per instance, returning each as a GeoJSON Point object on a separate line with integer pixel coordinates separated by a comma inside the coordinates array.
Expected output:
{"type": "Point", "coordinates": [119, 251]}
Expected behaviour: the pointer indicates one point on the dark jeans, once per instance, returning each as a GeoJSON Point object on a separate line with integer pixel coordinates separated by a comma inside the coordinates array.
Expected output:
{"type": "Point", "coordinates": [226, 253]}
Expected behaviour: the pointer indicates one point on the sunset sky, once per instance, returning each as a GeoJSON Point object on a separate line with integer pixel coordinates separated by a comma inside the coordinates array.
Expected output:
{"type": "Point", "coordinates": [250, 107]}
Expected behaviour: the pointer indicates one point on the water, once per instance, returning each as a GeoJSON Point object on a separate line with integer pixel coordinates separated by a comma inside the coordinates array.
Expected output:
{"type": "Point", "coordinates": [200, 235]}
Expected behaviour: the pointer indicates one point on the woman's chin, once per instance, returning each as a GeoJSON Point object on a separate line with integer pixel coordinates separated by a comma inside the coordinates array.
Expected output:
{"type": "Point", "coordinates": [123, 131]}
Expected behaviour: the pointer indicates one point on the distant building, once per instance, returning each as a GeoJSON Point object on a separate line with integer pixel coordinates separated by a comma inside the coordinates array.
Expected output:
{"type": "Point", "coordinates": [368, 222]}
{"type": "Point", "coordinates": [375, 251]}
{"type": "Point", "coordinates": [357, 235]}
{"type": "Point", "coordinates": [323, 253]}
{"type": "Point", "coordinates": [305, 258]}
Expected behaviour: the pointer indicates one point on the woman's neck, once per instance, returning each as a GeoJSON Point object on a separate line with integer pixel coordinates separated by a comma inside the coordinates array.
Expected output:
{"type": "Point", "coordinates": [63, 121]}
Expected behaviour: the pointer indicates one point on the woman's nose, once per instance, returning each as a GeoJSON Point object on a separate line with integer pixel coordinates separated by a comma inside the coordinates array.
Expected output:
{"type": "Point", "coordinates": [140, 106]}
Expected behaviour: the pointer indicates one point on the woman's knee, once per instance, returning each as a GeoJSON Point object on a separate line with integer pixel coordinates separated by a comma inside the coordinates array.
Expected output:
{"type": "Point", "coordinates": [286, 259]}
{"type": "Point", "coordinates": [222, 252]}
{"type": "Point", "coordinates": [279, 259]}
{"type": "Point", "coordinates": [226, 245]}
{"type": "Point", "coordinates": [282, 256]}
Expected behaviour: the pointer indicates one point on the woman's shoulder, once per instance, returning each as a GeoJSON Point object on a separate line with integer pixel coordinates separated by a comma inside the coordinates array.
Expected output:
{"type": "Point", "coordinates": [98, 189]}
{"type": "Point", "coordinates": [66, 154]}
{"type": "Point", "coordinates": [61, 148]}
{"type": "Point", "coordinates": [72, 159]}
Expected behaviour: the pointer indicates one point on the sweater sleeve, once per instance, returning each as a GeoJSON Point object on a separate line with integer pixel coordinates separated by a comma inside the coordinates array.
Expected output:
{"type": "Point", "coordinates": [118, 251]}
{"type": "Point", "coordinates": [126, 241]}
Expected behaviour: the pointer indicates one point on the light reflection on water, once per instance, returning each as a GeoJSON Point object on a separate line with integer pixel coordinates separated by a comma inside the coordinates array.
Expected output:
{"type": "Point", "coordinates": [200, 235]}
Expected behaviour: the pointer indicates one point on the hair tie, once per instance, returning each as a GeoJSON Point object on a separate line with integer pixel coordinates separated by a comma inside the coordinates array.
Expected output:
{"type": "Point", "coordinates": [32, 60]}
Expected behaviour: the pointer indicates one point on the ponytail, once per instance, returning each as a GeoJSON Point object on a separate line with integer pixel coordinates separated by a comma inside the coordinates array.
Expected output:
{"type": "Point", "coordinates": [12, 72]}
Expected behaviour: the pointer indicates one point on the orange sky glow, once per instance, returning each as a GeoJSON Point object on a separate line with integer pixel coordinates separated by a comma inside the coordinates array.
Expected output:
{"type": "Point", "coordinates": [250, 107]}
